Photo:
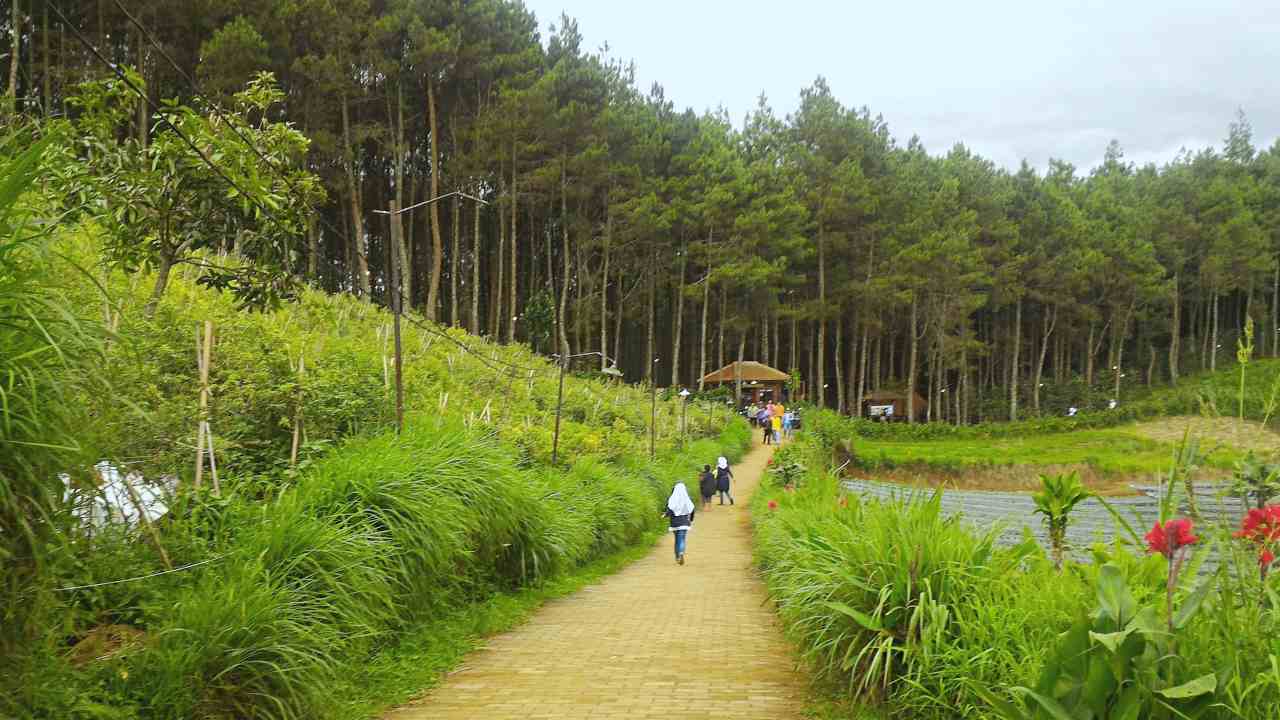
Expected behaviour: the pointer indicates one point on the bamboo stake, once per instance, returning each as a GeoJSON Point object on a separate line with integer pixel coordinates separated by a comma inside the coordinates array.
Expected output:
{"type": "Point", "coordinates": [203, 357]}
{"type": "Point", "coordinates": [297, 413]}
{"type": "Point", "coordinates": [213, 463]}
{"type": "Point", "coordinates": [144, 521]}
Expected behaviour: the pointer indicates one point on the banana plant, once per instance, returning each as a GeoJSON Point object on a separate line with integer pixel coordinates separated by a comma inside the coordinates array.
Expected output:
{"type": "Point", "coordinates": [1058, 496]}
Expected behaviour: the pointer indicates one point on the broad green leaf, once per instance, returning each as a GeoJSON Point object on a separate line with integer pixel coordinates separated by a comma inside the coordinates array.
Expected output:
{"type": "Point", "coordinates": [1048, 704]}
{"type": "Point", "coordinates": [1111, 640]}
{"type": "Point", "coordinates": [1113, 594]}
{"type": "Point", "coordinates": [1193, 688]}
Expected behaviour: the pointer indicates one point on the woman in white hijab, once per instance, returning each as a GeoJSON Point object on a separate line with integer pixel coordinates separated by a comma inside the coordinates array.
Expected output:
{"type": "Point", "coordinates": [723, 476]}
{"type": "Point", "coordinates": [680, 510]}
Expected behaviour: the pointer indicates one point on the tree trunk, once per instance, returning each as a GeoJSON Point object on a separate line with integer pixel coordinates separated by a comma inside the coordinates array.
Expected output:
{"type": "Point", "coordinates": [162, 282]}
{"type": "Point", "coordinates": [515, 308]}
{"type": "Point", "coordinates": [679, 329]}
{"type": "Point", "coordinates": [455, 260]}
{"type": "Point", "coordinates": [15, 27]}
{"type": "Point", "coordinates": [475, 270]}
{"type": "Point", "coordinates": [820, 379]}
{"type": "Point", "coordinates": [604, 288]}
{"type": "Point", "coordinates": [1175, 331]}
{"type": "Point", "coordinates": [1088, 359]}
{"type": "Point", "coordinates": [561, 310]}
{"type": "Point", "coordinates": [720, 328]}
{"type": "Point", "coordinates": [401, 250]}
{"type": "Point", "coordinates": [1213, 336]}
{"type": "Point", "coordinates": [650, 362]}
{"type": "Point", "coordinates": [498, 290]}
{"type": "Point", "coordinates": [1013, 360]}
{"type": "Point", "coordinates": [737, 369]}
{"type": "Point", "coordinates": [702, 341]}
{"type": "Point", "coordinates": [357, 213]}
{"type": "Point", "coordinates": [837, 359]}
{"type": "Point", "coordinates": [911, 368]}
{"type": "Point", "coordinates": [1050, 320]}
{"type": "Point", "coordinates": [1275, 311]}
{"type": "Point", "coordinates": [437, 243]}
{"type": "Point", "coordinates": [47, 78]}
{"type": "Point", "coordinates": [863, 356]}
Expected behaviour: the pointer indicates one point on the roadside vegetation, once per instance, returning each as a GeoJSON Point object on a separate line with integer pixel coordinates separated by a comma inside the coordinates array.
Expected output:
{"type": "Point", "coordinates": [331, 548]}
{"type": "Point", "coordinates": [907, 612]}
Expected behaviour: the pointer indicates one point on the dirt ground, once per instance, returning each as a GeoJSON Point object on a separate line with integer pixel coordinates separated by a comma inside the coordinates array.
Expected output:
{"type": "Point", "coordinates": [1242, 435]}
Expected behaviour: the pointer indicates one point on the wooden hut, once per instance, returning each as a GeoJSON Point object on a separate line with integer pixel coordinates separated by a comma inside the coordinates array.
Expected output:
{"type": "Point", "coordinates": [892, 405]}
{"type": "Point", "coordinates": [760, 383]}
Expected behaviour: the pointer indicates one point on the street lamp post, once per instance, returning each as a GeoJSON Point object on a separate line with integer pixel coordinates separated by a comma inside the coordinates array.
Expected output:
{"type": "Point", "coordinates": [684, 415]}
{"type": "Point", "coordinates": [393, 289]}
{"type": "Point", "coordinates": [653, 412]}
{"type": "Point", "coordinates": [612, 370]}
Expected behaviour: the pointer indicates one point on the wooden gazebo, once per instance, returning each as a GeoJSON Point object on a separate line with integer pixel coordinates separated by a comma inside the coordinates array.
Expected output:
{"type": "Point", "coordinates": [891, 405]}
{"type": "Point", "coordinates": [760, 383]}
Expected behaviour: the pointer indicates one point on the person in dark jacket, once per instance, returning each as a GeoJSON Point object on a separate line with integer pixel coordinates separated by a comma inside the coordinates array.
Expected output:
{"type": "Point", "coordinates": [706, 486]}
{"type": "Point", "coordinates": [680, 510]}
{"type": "Point", "coordinates": [723, 476]}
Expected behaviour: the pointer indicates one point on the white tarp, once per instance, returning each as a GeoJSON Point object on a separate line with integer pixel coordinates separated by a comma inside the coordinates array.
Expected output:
{"type": "Point", "coordinates": [114, 503]}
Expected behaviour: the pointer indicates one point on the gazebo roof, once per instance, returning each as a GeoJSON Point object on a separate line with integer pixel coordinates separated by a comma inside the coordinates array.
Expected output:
{"type": "Point", "coordinates": [748, 370]}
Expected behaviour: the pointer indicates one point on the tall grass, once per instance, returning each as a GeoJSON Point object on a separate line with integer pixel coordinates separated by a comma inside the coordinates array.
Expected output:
{"type": "Point", "coordinates": [387, 535]}
{"type": "Point", "coordinates": [45, 353]}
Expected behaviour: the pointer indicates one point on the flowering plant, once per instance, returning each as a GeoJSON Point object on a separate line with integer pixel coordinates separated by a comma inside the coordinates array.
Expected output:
{"type": "Point", "coordinates": [1262, 527]}
{"type": "Point", "coordinates": [773, 505]}
{"type": "Point", "coordinates": [1171, 539]}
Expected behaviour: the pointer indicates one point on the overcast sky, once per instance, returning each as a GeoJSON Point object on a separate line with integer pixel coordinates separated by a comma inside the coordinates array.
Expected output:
{"type": "Point", "coordinates": [1012, 79]}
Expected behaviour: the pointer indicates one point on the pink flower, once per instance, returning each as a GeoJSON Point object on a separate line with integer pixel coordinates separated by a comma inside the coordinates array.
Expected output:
{"type": "Point", "coordinates": [773, 505]}
{"type": "Point", "coordinates": [1265, 558]}
{"type": "Point", "coordinates": [1168, 538]}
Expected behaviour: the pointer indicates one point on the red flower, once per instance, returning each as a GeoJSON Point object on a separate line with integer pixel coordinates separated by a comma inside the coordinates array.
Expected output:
{"type": "Point", "coordinates": [773, 505]}
{"type": "Point", "coordinates": [1261, 526]}
{"type": "Point", "coordinates": [1265, 558]}
{"type": "Point", "coordinates": [1168, 538]}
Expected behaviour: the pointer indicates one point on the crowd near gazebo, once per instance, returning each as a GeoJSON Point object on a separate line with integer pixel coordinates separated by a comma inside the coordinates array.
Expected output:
{"type": "Point", "coordinates": [759, 382]}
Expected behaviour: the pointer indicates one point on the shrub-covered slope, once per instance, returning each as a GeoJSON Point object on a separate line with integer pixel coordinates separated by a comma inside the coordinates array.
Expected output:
{"type": "Point", "coordinates": [299, 573]}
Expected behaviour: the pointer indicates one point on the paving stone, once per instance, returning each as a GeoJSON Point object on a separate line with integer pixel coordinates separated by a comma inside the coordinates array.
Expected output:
{"type": "Point", "coordinates": [655, 640]}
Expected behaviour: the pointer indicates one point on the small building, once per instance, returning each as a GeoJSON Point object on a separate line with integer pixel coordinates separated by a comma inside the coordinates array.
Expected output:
{"type": "Point", "coordinates": [891, 405]}
{"type": "Point", "coordinates": [760, 383]}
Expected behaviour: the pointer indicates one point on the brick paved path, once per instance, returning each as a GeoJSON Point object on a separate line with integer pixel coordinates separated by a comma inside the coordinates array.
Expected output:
{"type": "Point", "coordinates": [655, 640]}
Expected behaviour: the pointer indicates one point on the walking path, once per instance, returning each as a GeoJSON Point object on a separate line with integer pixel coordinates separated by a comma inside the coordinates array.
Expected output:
{"type": "Point", "coordinates": [656, 640]}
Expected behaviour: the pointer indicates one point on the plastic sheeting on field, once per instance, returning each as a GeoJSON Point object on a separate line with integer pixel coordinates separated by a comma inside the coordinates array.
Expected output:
{"type": "Point", "coordinates": [112, 502]}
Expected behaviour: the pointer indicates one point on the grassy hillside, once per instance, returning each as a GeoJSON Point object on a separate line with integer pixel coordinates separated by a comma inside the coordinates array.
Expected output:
{"type": "Point", "coordinates": [301, 574]}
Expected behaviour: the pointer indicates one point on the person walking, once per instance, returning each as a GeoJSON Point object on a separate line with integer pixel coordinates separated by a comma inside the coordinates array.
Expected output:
{"type": "Point", "coordinates": [776, 421]}
{"type": "Point", "coordinates": [680, 511]}
{"type": "Point", "coordinates": [763, 421]}
{"type": "Point", "coordinates": [706, 486]}
{"type": "Point", "coordinates": [787, 418]}
{"type": "Point", "coordinates": [723, 476]}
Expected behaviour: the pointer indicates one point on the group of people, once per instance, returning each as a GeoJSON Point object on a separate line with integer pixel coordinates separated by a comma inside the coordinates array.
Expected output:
{"type": "Point", "coordinates": [680, 509]}
{"type": "Point", "coordinates": [774, 420]}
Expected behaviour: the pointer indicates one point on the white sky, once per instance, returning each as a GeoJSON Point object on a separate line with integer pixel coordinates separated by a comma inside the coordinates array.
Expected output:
{"type": "Point", "coordinates": [1012, 79]}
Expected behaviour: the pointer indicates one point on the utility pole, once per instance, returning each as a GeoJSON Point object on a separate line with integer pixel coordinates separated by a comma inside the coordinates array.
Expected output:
{"type": "Point", "coordinates": [394, 292]}
{"type": "Point", "coordinates": [653, 412]}
{"type": "Point", "coordinates": [610, 370]}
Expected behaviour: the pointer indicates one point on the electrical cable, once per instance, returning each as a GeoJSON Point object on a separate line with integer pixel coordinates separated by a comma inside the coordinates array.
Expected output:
{"type": "Point", "coordinates": [140, 577]}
